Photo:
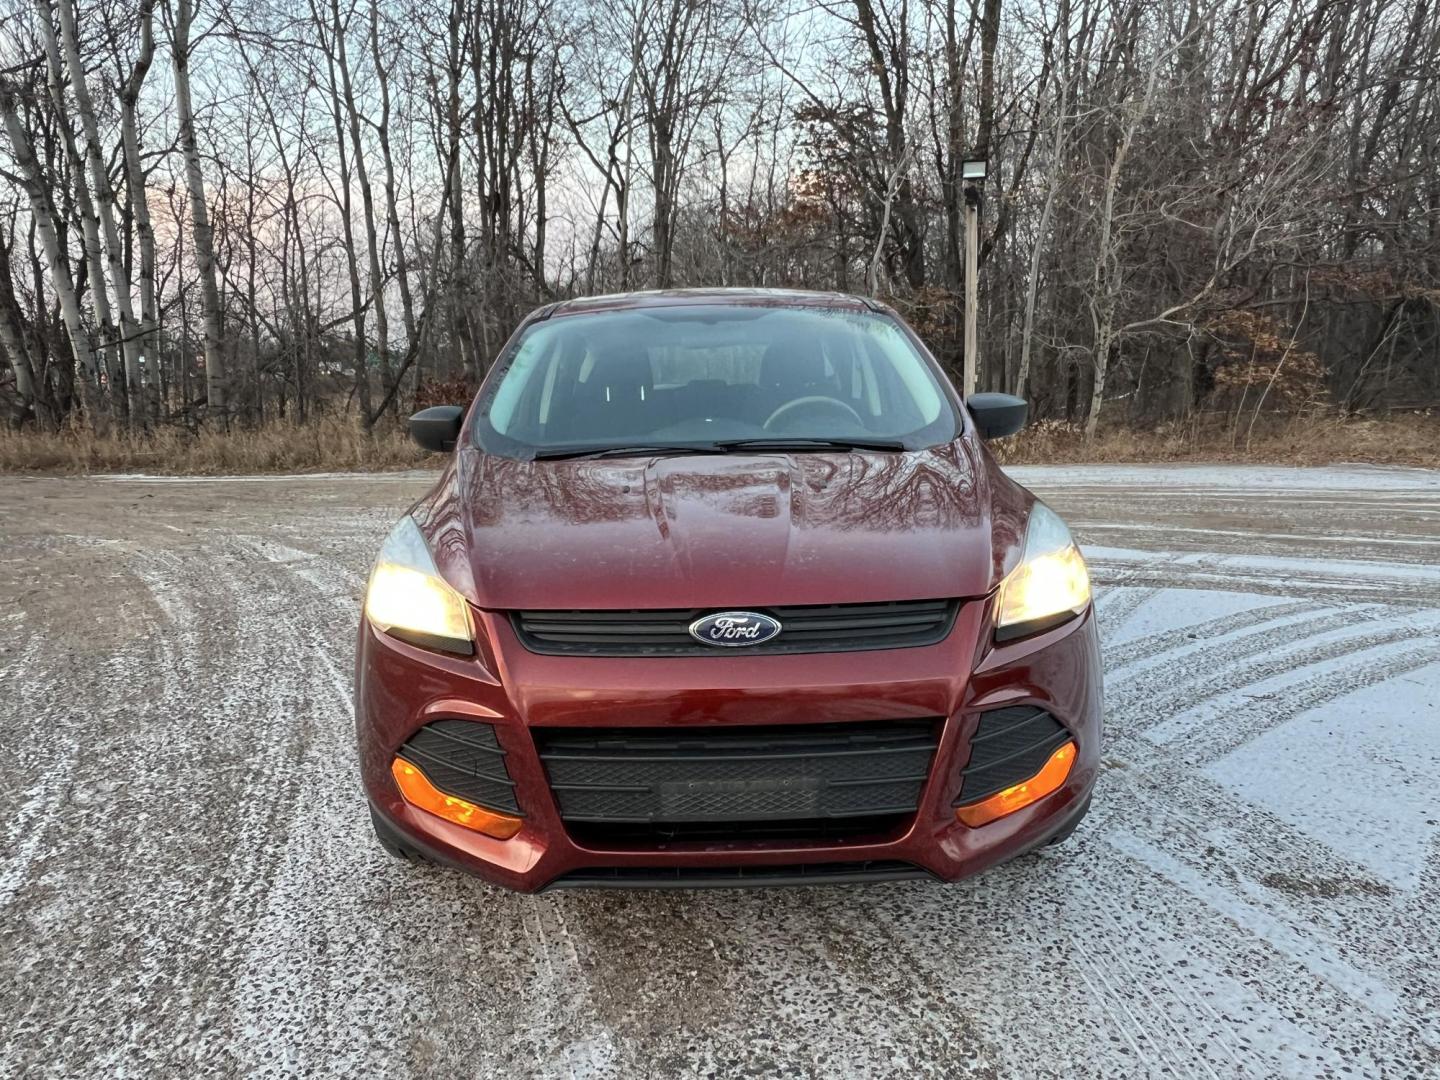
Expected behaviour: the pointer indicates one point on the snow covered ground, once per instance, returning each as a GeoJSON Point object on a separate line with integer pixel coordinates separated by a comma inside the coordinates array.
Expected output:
{"type": "Point", "coordinates": [188, 882]}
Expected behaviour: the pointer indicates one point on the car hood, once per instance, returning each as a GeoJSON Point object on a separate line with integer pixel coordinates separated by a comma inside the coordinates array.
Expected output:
{"type": "Point", "coordinates": [710, 531]}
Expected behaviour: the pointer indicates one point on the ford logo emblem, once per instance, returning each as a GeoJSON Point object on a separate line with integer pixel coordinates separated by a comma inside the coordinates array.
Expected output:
{"type": "Point", "coordinates": [734, 629]}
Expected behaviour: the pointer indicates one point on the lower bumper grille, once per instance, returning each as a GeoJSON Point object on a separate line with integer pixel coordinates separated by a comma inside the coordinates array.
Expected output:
{"type": "Point", "coordinates": [877, 828]}
{"type": "Point", "coordinates": [648, 784]}
{"type": "Point", "coordinates": [1009, 745]}
{"type": "Point", "coordinates": [651, 877]}
{"type": "Point", "coordinates": [464, 759]}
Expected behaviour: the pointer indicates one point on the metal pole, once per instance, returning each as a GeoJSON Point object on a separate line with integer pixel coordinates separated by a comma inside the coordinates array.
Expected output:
{"type": "Point", "coordinates": [972, 290]}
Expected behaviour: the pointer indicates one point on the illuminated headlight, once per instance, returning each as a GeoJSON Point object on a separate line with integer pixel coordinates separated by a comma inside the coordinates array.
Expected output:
{"type": "Point", "coordinates": [1050, 585]}
{"type": "Point", "coordinates": [408, 599]}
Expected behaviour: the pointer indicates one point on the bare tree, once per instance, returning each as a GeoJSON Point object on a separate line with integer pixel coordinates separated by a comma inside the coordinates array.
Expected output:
{"type": "Point", "coordinates": [104, 194]}
{"type": "Point", "coordinates": [46, 224]}
{"type": "Point", "coordinates": [348, 207]}
{"type": "Point", "coordinates": [216, 373]}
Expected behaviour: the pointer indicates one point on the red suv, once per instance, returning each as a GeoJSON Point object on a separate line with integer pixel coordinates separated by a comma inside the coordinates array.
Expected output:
{"type": "Point", "coordinates": [722, 588]}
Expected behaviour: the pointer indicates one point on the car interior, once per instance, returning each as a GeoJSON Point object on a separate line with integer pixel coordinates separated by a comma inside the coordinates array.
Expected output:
{"type": "Point", "coordinates": [701, 384]}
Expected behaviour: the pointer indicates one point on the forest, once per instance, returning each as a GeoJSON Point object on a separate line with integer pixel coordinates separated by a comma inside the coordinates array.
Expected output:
{"type": "Point", "coordinates": [219, 214]}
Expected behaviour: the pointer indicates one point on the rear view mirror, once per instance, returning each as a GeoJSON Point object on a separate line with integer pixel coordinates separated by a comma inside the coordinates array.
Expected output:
{"type": "Point", "coordinates": [997, 415]}
{"type": "Point", "coordinates": [438, 427]}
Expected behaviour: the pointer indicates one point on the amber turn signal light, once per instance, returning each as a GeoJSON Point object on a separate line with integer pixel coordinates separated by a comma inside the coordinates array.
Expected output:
{"type": "Point", "coordinates": [421, 793]}
{"type": "Point", "coordinates": [1048, 779]}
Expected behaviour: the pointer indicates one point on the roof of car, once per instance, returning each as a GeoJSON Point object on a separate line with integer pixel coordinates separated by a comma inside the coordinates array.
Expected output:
{"type": "Point", "coordinates": [686, 297]}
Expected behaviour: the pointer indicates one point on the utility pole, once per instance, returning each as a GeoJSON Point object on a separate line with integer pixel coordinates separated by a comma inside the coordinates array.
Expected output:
{"type": "Point", "coordinates": [973, 174]}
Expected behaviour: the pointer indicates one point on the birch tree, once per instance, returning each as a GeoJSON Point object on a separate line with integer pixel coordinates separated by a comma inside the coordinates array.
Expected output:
{"type": "Point", "coordinates": [202, 235]}
{"type": "Point", "coordinates": [46, 223]}
{"type": "Point", "coordinates": [130, 332]}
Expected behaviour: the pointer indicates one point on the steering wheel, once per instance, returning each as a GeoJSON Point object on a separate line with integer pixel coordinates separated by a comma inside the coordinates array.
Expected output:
{"type": "Point", "coordinates": [830, 403]}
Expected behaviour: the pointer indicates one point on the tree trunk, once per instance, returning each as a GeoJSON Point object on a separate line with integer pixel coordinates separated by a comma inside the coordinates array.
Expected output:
{"type": "Point", "coordinates": [43, 210]}
{"type": "Point", "coordinates": [217, 384]}
{"type": "Point", "coordinates": [347, 227]}
{"type": "Point", "coordinates": [105, 212]}
{"type": "Point", "coordinates": [367, 206]}
{"type": "Point", "coordinates": [392, 210]}
{"type": "Point", "coordinates": [94, 264]}
{"type": "Point", "coordinates": [140, 202]}
{"type": "Point", "coordinates": [1032, 284]}
{"type": "Point", "coordinates": [30, 393]}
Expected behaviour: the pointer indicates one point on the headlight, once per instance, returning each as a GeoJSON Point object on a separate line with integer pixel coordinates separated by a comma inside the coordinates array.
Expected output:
{"type": "Point", "coordinates": [1049, 586]}
{"type": "Point", "coordinates": [408, 599]}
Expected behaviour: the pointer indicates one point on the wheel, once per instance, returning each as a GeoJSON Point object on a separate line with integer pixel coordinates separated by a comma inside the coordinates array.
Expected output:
{"type": "Point", "coordinates": [394, 843]}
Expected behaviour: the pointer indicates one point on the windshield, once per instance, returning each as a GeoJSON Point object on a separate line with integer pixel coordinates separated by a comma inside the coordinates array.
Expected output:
{"type": "Point", "coordinates": [699, 376]}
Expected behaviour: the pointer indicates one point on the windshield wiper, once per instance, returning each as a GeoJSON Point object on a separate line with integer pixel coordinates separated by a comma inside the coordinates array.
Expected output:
{"type": "Point", "coordinates": [562, 453]}
{"type": "Point", "coordinates": [782, 443]}
{"type": "Point", "coordinates": [723, 446]}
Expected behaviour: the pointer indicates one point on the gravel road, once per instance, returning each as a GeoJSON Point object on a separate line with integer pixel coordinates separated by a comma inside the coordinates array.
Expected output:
{"type": "Point", "coordinates": [189, 886]}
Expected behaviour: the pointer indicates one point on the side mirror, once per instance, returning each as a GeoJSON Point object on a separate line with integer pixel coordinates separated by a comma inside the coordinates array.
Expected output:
{"type": "Point", "coordinates": [438, 427]}
{"type": "Point", "coordinates": [997, 415]}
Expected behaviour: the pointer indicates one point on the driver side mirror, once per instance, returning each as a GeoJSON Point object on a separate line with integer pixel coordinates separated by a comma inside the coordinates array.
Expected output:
{"type": "Point", "coordinates": [997, 415]}
{"type": "Point", "coordinates": [438, 427]}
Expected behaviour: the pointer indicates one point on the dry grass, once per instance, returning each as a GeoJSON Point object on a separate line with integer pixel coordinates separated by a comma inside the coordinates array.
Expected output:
{"type": "Point", "coordinates": [322, 445]}
{"type": "Point", "coordinates": [1399, 439]}
{"type": "Point", "coordinates": [335, 445]}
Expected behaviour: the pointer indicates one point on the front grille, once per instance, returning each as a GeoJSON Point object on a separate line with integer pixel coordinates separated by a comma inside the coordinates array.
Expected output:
{"type": "Point", "coordinates": [666, 632]}
{"type": "Point", "coordinates": [463, 758]}
{"type": "Point", "coordinates": [1009, 745]}
{"type": "Point", "coordinates": [680, 877]}
{"type": "Point", "coordinates": [645, 782]}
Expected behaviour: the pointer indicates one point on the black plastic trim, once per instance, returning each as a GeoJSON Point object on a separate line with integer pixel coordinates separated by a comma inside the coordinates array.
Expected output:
{"type": "Point", "coordinates": [1015, 631]}
{"type": "Point", "coordinates": [740, 877]}
{"type": "Point", "coordinates": [433, 642]}
{"type": "Point", "coordinates": [1009, 746]}
{"type": "Point", "coordinates": [651, 836]}
{"type": "Point", "coordinates": [630, 777]}
{"type": "Point", "coordinates": [464, 759]}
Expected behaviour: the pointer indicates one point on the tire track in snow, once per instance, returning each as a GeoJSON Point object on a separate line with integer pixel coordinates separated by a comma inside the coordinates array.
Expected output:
{"type": "Point", "coordinates": [1285, 939]}
{"type": "Point", "coordinates": [310, 871]}
{"type": "Point", "coordinates": [1161, 1016]}
{"type": "Point", "coordinates": [1192, 683]}
{"type": "Point", "coordinates": [139, 713]}
{"type": "Point", "coordinates": [1189, 817]}
{"type": "Point", "coordinates": [1375, 662]}
{"type": "Point", "coordinates": [287, 999]}
{"type": "Point", "coordinates": [1120, 658]}
{"type": "Point", "coordinates": [238, 693]}
{"type": "Point", "coordinates": [49, 763]}
{"type": "Point", "coordinates": [1389, 582]}
{"type": "Point", "coordinates": [1115, 602]}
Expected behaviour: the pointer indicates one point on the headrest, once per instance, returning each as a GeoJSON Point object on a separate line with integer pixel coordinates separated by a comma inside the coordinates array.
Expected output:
{"type": "Point", "coordinates": [793, 367]}
{"type": "Point", "coordinates": [621, 369]}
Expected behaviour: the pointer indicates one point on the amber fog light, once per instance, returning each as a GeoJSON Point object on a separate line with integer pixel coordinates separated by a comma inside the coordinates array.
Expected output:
{"type": "Point", "coordinates": [419, 792]}
{"type": "Point", "coordinates": [1047, 780]}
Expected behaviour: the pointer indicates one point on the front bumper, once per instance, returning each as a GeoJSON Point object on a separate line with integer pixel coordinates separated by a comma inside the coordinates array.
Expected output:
{"type": "Point", "coordinates": [400, 688]}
